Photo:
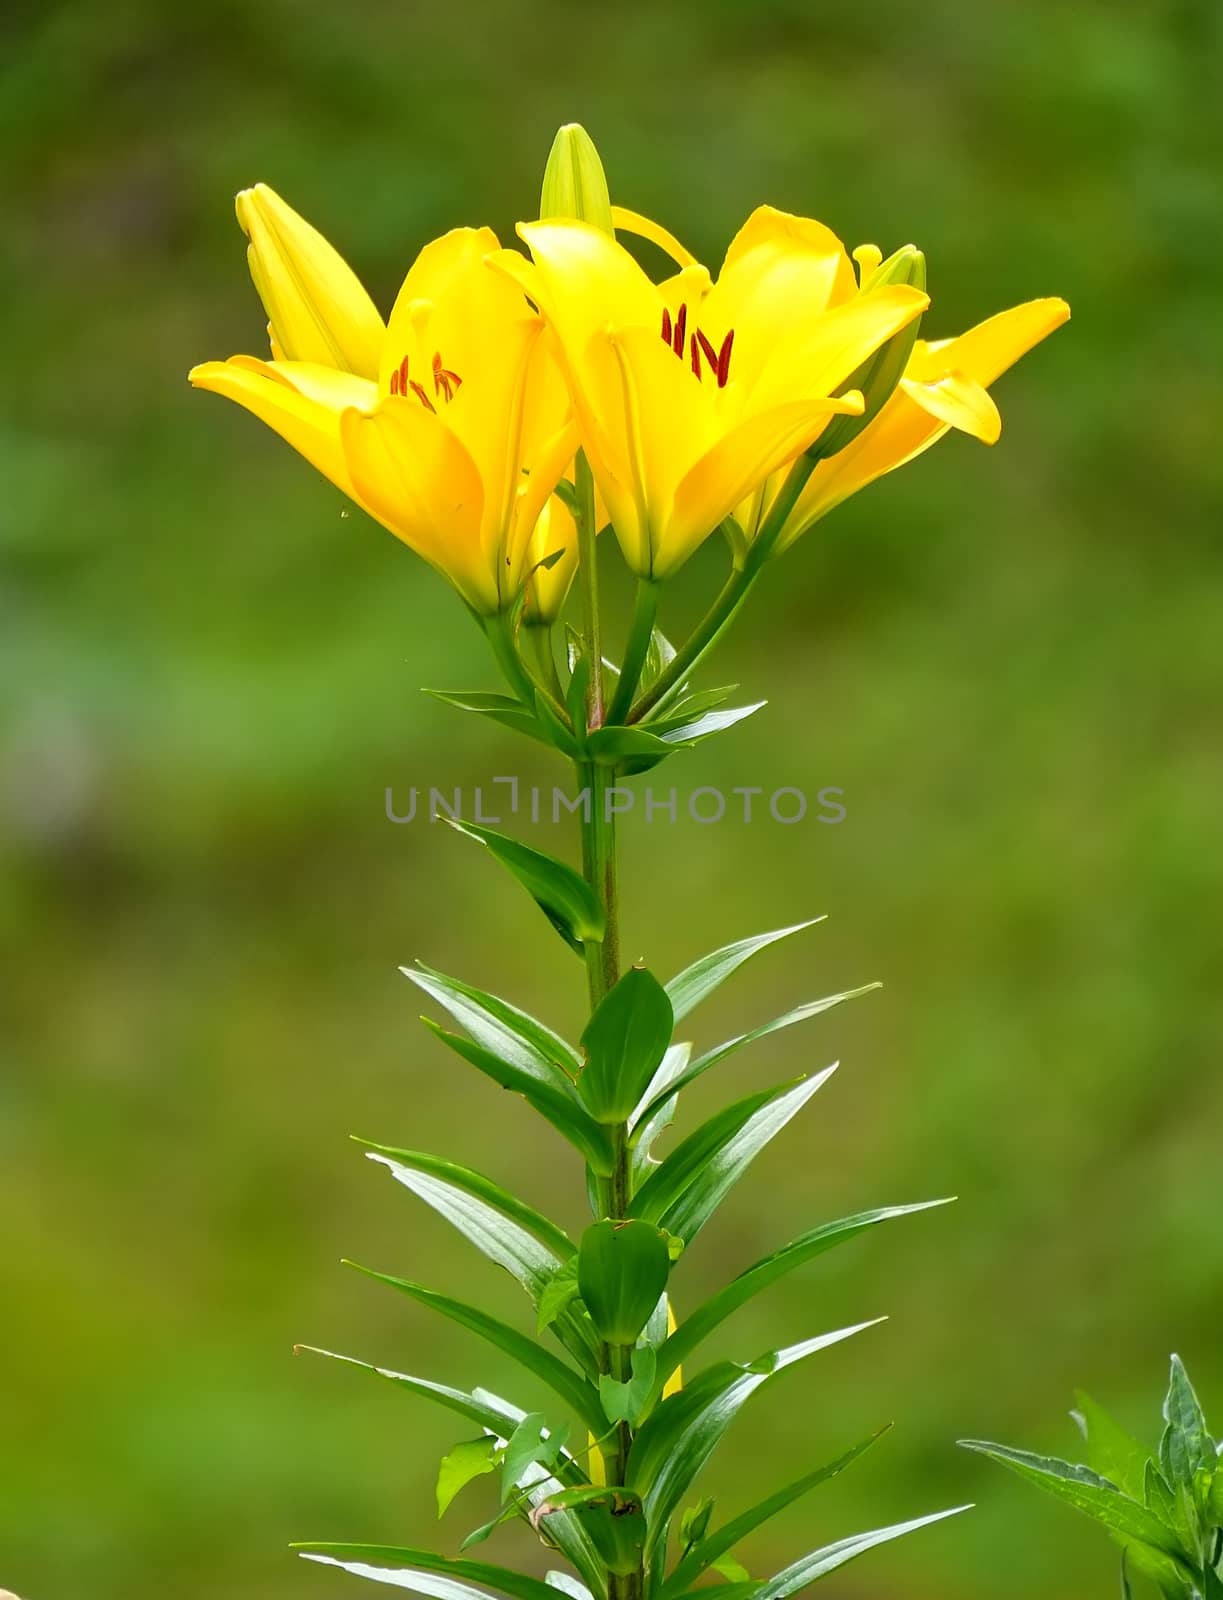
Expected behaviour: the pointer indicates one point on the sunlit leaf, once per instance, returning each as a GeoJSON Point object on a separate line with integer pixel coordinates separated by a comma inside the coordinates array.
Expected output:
{"type": "Point", "coordinates": [697, 982]}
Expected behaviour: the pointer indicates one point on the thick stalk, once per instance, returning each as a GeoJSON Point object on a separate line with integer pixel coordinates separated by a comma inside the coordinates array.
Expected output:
{"type": "Point", "coordinates": [603, 956]}
{"type": "Point", "coordinates": [641, 630]}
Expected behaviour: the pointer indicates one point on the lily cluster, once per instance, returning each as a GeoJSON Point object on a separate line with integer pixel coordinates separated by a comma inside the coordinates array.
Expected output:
{"type": "Point", "coordinates": [515, 404]}
{"type": "Point", "coordinates": [512, 405]}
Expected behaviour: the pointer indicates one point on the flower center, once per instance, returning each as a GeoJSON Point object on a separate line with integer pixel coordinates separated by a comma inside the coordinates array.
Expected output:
{"type": "Point", "coordinates": [674, 332]}
{"type": "Point", "coordinates": [445, 382]}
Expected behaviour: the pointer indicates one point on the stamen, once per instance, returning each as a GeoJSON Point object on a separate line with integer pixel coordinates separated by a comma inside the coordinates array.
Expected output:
{"type": "Point", "coordinates": [395, 381]}
{"type": "Point", "coordinates": [681, 326]}
{"type": "Point", "coordinates": [711, 355]}
{"type": "Point", "coordinates": [724, 359]}
{"type": "Point", "coordinates": [666, 325]}
{"type": "Point", "coordinates": [418, 390]}
{"type": "Point", "coordinates": [696, 356]}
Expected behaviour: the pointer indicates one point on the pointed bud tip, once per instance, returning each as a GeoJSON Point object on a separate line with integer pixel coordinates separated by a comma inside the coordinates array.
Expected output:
{"type": "Point", "coordinates": [575, 185]}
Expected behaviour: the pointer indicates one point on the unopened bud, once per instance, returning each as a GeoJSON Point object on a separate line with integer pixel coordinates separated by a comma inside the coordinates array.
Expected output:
{"type": "Point", "coordinates": [575, 185]}
{"type": "Point", "coordinates": [879, 374]}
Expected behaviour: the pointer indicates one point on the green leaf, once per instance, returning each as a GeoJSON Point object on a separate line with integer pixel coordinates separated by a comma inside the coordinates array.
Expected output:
{"type": "Point", "coordinates": [708, 1551]}
{"type": "Point", "coordinates": [711, 1058]}
{"type": "Point", "coordinates": [1186, 1447]}
{"type": "Point", "coordinates": [622, 1272]}
{"type": "Point", "coordinates": [480, 1406]}
{"type": "Point", "coordinates": [1127, 1592]}
{"type": "Point", "coordinates": [624, 1041]}
{"type": "Point", "coordinates": [732, 1570]}
{"type": "Point", "coordinates": [403, 1567]}
{"type": "Point", "coordinates": [502, 708]}
{"type": "Point", "coordinates": [568, 1584]}
{"type": "Point", "coordinates": [556, 1105]}
{"type": "Point", "coordinates": [500, 1027]}
{"type": "Point", "coordinates": [467, 1461]}
{"type": "Point", "coordinates": [478, 1535]}
{"type": "Point", "coordinates": [617, 743]}
{"type": "Point", "coordinates": [1086, 1491]}
{"type": "Point", "coordinates": [628, 1402]}
{"type": "Point", "coordinates": [529, 1443]}
{"type": "Point", "coordinates": [611, 1515]}
{"type": "Point", "coordinates": [750, 1282]}
{"type": "Point", "coordinates": [697, 982]}
{"type": "Point", "coordinates": [659, 655]}
{"type": "Point", "coordinates": [680, 1435]}
{"type": "Point", "coordinates": [567, 900]}
{"type": "Point", "coordinates": [561, 1379]}
{"type": "Point", "coordinates": [558, 1293]}
{"type": "Point", "coordinates": [682, 1193]}
{"type": "Point", "coordinates": [502, 1227]}
{"type": "Point", "coordinates": [687, 707]}
{"type": "Point", "coordinates": [821, 1562]}
{"type": "Point", "coordinates": [647, 1129]}
{"type": "Point", "coordinates": [1111, 1451]}
{"type": "Point", "coordinates": [681, 732]}
{"type": "Point", "coordinates": [1214, 1504]}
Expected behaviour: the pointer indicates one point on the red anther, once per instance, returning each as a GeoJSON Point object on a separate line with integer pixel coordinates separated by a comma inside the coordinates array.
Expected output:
{"type": "Point", "coordinates": [696, 356]}
{"type": "Point", "coordinates": [403, 376]}
{"type": "Point", "coordinates": [711, 355]}
{"type": "Point", "coordinates": [666, 325]}
{"type": "Point", "coordinates": [418, 389]}
{"type": "Point", "coordinates": [724, 359]}
{"type": "Point", "coordinates": [681, 327]}
{"type": "Point", "coordinates": [395, 381]}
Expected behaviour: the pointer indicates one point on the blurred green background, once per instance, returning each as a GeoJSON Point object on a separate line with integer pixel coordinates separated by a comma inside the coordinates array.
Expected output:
{"type": "Point", "coordinates": [1010, 661]}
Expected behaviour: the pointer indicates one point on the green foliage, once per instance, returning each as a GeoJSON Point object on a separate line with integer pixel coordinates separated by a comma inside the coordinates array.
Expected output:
{"type": "Point", "coordinates": [1165, 1508]}
{"type": "Point", "coordinates": [625, 1042]}
{"type": "Point", "coordinates": [622, 1272]}
{"type": "Point", "coordinates": [568, 901]}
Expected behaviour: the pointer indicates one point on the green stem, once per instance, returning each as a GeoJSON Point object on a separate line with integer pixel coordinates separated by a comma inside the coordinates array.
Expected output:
{"type": "Point", "coordinates": [635, 651]}
{"type": "Point", "coordinates": [588, 581]}
{"type": "Point", "coordinates": [499, 631]}
{"type": "Point", "coordinates": [734, 592]}
{"type": "Point", "coordinates": [537, 638]}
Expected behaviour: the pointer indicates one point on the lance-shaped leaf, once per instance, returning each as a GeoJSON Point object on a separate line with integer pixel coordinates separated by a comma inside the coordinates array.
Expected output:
{"type": "Point", "coordinates": [500, 1027]}
{"type": "Point", "coordinates": [698, 982]}
{"type": "Point", "coordinates": [709, 1549]}
{"type": "Point", "coordinates": [502, 708]}
{"type": "Point", "coordinates": [613, 1517]}
{"type": "Point", "coordinates": [682, 1194]}
{"type": "Point", "coordinates": [625, 1040]}
{"type": "Point", "coordinates": [1186, 1448]}
{"type": "Point", "coordinates": [424, 1572]}
{"type": "Point", "coordinates": [561, 1379]}
{"type": "Point", "coordinates": [1086, 1491]}
{"type": "Point", "coordinates": [470, 1459]}
{"type": "Point", "coordinates": [819, 1563]}
{"type": "Point", "coordinates": [567, 900]}
{"type": "Point", "coordinates": [480, 1406]}
{"type": "Point", "coordinates": [622, 1273]}
{"type": "Point", "coordinates": [750, 1282]}
{"type": "Point", "coordinates": [678, 1438]}
{"type": "Point", "coordinates": [693, 729]}
{"type": "Point", "coordinates": [1111, 1451]}
{"type": "Point", "coordinates": [567, 1584]}
{"type": "Point", "coordinates": [711, 1058]}
{"type": "Point", "coordinates": [647, 1129]}
{"type": "Point", "coordinates": [502, 1227]}
{"type": "Point", "coordinates": [556, 1105]}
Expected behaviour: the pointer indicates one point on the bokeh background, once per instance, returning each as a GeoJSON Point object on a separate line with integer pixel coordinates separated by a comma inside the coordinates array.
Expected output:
{"type": "Point", "coordinates": [1009, 661]}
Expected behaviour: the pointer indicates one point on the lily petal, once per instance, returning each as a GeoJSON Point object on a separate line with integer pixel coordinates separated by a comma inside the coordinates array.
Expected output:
{"type": "Point", "coordinates": [960, 402]}
{"type": "Point", "coordinates": [417, 478]}
{"type": "Point", "coordinates": [317, 308]}
{"type": "Point", "coordinates": [312, 428]}
{"type": "Point", "coordinates": [626, 221]}
{"type": "Point", "coordinates": [837, 344]}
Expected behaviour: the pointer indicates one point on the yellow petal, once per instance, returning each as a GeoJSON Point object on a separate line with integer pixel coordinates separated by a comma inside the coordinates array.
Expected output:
{"type": "Point", "coordinates": [313, 429]}
{"type": "Point", "coordinates": [736, 465]}
{"type": "Point", "coordinates": [834, 345]}
{"type": "Point", "coordinates": [443, 307]}
{"type": "Point", "coordinates": [960, 402]}
{"type": "Point", "coordinates": [985, 352]}
{"type": "Point", "coordinates": [317, 309]}
{"type": "Point", "coordinates": [555, 533]}
{"type": "Point", "coordinates": [417, 478]}
{"type": "Point", "coordinates": [904, 429]}
{"type": "Point", "coordinates": [667, 425]}
{"type": "Point", "coordinates": [327, 385]}
{"type": "Point", "coordinates": [626, 221]}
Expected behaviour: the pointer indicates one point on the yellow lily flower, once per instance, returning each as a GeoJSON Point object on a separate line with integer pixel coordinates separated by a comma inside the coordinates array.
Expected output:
{"type": "Point", "coordinates": [945, 385]}
{"type": "Point", "coordinates": [453, 437]}
{"type": "Point", "coordinates": [691, 393]}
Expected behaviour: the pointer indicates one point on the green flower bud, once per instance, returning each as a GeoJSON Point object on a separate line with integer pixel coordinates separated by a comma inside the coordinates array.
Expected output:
{"type": "Point", "coordinates": [878, 376]}
{"type": "Point", "coordinates": [575, 184]}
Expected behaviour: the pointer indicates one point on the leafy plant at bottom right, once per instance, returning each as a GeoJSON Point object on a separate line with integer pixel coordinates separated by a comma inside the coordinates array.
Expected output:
{"type": "Point", "coordinates": [1164, 1508]}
